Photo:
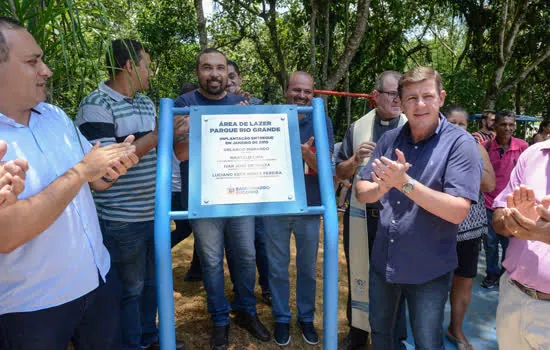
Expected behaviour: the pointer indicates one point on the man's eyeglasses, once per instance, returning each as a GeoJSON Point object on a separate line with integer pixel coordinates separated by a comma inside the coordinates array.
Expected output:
{"type": "Point", "coordinates": [393, 94]}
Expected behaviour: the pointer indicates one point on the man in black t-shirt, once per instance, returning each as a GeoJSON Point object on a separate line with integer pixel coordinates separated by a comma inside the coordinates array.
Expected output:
{"type": "Point", "coordinates": [211, 71]}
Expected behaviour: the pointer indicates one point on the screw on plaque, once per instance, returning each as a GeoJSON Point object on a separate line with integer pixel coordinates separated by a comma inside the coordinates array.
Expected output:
{"type": "Point", "coordinates": [283, 118]}
{"type": "Point", "coordinates": [290, 197]}
{"type": "Point", "coordinates": [205, 202]}
{"type": "Point", "coordinates": [196, 109]}
{"type": "Point", "coordinates": [205, 119]}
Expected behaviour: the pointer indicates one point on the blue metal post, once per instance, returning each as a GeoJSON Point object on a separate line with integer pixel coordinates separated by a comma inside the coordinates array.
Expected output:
{"type": "Point", "coordinates": [330, 282]}
{"type": "Point", "coordinates": [163, 256]}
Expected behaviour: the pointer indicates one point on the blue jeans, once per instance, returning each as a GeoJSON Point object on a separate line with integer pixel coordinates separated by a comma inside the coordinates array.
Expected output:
{"type": "Point", "coordinates": [490, 244]}
{"type": "Point", "coordinates": [90, 322]}
{"type": "Point", "coordinates": [261, 257]}
{"type": "Point", "coordinates": [426, 304]}
{"type": "Point", "coordinates": [131, 245]}
{"type": "Point", "coordinates": [210, 241]}
{"type": "Point", "coordinates": [277, 237]}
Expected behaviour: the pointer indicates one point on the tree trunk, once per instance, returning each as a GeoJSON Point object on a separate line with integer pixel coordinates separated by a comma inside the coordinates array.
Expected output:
{"type": "Point", "coordinates": [518, 99]}
{"type": "Point", "coordinates": [312, 44]}
{"type": "Point", "coordinates": [326, 44]}
{"type": "Point", "coordinates": [507, 37]}
{"type": "Point", "coordinates": [271, 22]}
{"type": "Point", "coordinates": [203, 38]}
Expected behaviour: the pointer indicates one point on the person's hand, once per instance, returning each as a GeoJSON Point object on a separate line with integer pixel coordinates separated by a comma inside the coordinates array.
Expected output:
{"type": "Point", "coordinates": [523, 199]}
{"type": "Point", "coordinates": [526, 228]}
{"type": "Point", "coordinates": [110, 161]}
{"type": "Point", "coordinates": [243, 103]}
{"type": "Point", "coordinates": [364, 151]}
{"type": "Point", "coordinates": [306, 146]}
{"type": "Point", "coordinates": [247, 95]}
{"type": "Point", "coordinates": [12, 177]}
{"type": "Point", "coordinates": [181, 125]}
{"type": "Point", "coordinates": [391, 173]}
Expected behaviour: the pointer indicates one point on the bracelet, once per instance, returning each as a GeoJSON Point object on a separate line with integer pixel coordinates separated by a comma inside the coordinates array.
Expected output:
{"type": "Point", "coordinates": [107, 180]}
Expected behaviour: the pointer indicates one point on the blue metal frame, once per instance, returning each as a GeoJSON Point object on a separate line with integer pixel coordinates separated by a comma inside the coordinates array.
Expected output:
{"type": "Point", "coordinates": [297, 205]}
{"type": "Point", "coordinates": [163, 214]}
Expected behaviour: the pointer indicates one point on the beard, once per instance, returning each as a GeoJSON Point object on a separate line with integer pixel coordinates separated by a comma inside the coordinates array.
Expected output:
{"type": "Point", "coordinates": [213, 91]}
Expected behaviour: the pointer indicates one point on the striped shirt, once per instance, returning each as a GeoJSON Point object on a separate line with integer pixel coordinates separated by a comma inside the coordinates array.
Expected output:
{"type": "Point", "coordinates": [108, 116]}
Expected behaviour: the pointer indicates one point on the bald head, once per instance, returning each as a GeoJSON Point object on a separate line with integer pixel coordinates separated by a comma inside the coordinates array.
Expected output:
{"type": "Point", "coordinates": [299, 90]}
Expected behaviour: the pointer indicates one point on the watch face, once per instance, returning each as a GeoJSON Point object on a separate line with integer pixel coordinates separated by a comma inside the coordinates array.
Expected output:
{"type": "Point", "coordinates": [407, 187]}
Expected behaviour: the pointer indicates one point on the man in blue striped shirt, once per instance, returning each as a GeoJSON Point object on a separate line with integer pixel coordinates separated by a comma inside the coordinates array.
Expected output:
{"type": "Point", "coordinates": [126, 210]}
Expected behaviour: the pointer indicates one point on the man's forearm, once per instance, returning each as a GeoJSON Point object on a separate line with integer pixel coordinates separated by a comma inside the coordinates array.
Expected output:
{"type": "Point", "coordinates": [368, 192]}
{"type": "Point", "coordinates": [346, 169]}
{"type": "Point", "coordinates": [448, 207]}
{"type": "Point", "coordinates": [146, 143]}
{"type": "Point", "coordinates": [181, 150]}
{"type": "Point", "coordinates": [29, 217]}
{"type": "Point", "coordinates": [311, 159]}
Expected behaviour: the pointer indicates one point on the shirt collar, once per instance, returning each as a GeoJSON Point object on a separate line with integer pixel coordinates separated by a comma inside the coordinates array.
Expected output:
{"type": "Point", "coordinates": [545, 145]}
{"type": "Point", "coordinates": [442, 124]}
{"type": "Point", "coordinates": [9, 121]}
{"type": "Point", "coordinates": [514, 144]}
{"type": "Point", "coordinates": [391, 123]}
{"type": "Point", "coordinates": [115, 95]}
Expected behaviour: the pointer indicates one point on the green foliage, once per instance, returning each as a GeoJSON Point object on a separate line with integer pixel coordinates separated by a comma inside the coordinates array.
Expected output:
{"type": "Point", "coordinates": [459, 38]}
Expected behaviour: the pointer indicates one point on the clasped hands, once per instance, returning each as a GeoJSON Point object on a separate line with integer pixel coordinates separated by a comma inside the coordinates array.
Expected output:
{"type": "Point", "coordinates": [525, 218]}
{"type": "Point", "coordinates": [388, 173]}
{"type": "Point", "coordinates": [12, 177]}
{"type": "Point", "coordinates": [110, 162]}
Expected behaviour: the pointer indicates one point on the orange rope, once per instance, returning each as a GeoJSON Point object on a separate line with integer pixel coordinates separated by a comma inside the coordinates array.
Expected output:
{"type": "Point", "coordinates": [349, 94]}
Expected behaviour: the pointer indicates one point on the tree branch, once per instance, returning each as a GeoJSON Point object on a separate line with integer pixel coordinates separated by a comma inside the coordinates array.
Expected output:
{"type": "Point", "coordinates": [502, 32]}
{"type": "Point", "coordinates": [525, 73]}
{"type": "Point", "coordinates": [351, 45]}
{"type": "Point", "coordinates": [443, 43]}
{"type": "Point", "coordinates": [465, 51]}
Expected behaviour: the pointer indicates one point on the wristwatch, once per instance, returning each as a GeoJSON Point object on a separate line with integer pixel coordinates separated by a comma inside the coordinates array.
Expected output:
{"type": "Point", "coordinates": [408, 186]}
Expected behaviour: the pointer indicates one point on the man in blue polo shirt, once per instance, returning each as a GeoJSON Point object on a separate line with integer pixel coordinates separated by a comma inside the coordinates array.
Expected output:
{"type": "Point", "coordinates": [55, 281]}
{"type": "Point", "coordinates": [299, 91]}
{"type": "Point", "coordinates": [425, 174]}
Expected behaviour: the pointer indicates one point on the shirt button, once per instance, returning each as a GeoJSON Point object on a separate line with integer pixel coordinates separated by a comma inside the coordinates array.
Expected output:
{"type": "Point", "coordinates": [398, 202]}
{"type": "Point", "coordinates": [391, 240]}
{"type": "Point", "coordinates": [523, 267]}
{"type": "Point", "coordinates": [415, 147]}
{"type": "Point", "coordinates": [393, 221]}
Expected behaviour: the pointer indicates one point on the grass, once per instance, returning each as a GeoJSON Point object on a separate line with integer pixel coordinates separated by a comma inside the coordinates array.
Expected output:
{"type": "Point", "coordinates": [193, 325]}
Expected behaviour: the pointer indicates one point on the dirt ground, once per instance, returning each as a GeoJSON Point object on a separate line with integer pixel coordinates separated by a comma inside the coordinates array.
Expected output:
{"type": "Point", "coordinates": [193, 325]}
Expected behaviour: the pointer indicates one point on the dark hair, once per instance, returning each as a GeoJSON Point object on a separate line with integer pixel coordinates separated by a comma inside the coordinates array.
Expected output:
{"type": "Point", "coordinates": [232, 63]}
{"type": "Point", "coordinates": [207, 51]}
{"type": "Point", "coordinates": [379, 86]}
{"type": "Point", "coordinates": [543, 124]}
{"type": "Point", "coordinates": [120, 52]}
{"type": "Point", "coordinates": [187, 87]}
{"type": "Point", "coordinates": [455, 108]}
{"type": "Point", "coordinates": [504, 114]}
{"type": "Point", "coordinates": [7, 23]}
{"type": "Point", "coordinates": [417, 75]}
